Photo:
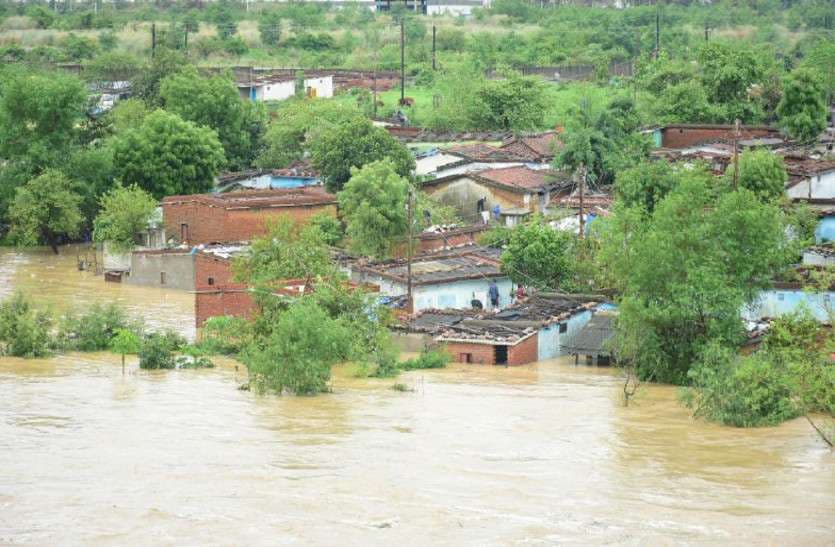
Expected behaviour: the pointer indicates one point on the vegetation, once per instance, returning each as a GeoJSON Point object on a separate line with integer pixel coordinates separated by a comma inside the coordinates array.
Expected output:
{"type": "Point", "coordinates": [45, 210]}
{"type": "Point", "coordinates": [802, 110]}
{"type": "Point", "coordinates": [224, 335]}
{"type": "Point", "coordinates": [125, 341]}
{"type": "Point", "coordinates": [125, 213]}
{"type": "Point", "coordinates": [373, 204]}
{"type": "Point", "coordinates": [95, 328]}
{"type": "Point", "coordinates": [427, 359]}
{"type": "Point", "coordinates": [24, 331]}
{"type": "Point", "coordinates": [156, 352]}
{"type": "Point", "coordinates": [538, 256]}
{"type": "Point", "coordinates": [761, 172]}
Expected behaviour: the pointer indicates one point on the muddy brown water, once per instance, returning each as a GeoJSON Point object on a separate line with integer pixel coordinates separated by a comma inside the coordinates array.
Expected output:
{"type": "Point", "coordinates": [536, 455]}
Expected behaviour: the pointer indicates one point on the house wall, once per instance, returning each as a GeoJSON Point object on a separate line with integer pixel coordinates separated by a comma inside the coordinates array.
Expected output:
{"type": "Point", "coordinates": [822, 186]}
{"type": "Point", "coordinates": [485, 354]}
{"type": "Point", "coordinates": [825, 230]}
{"type": "Point", "coordinates": [220, 302]}
{"type": "Point", "coordinates": [459, 294]}
{"type": "Point", "coordinates": [277, 91]}
{"type": "Point", "coordinates": [115, 261]}
{"type": "Point", "coordinates": [430, 164]}
{"type": "Point", "coordinates": [323, 86]}
{"type": "Point", "coordinates": [776, 302]}
{"type": "Point", "coordinates": [464, 193]}
{"type": "Point", "coordinates": [682, 137]}
{"type": "Point", "coordinates": [550, 339]}
{"type": "Point", "coordinates": [146, 269]}
{"type": "Point", "coordinates": [207, 223]}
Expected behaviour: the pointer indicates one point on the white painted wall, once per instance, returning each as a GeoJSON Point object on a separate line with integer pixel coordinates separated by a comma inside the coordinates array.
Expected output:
{"type": "Point", "coordinates": [279, 91]}
{"type": "Point", "coordinates": [823, 187]}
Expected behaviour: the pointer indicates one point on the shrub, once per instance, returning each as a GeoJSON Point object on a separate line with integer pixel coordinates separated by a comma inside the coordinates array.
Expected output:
{"type": "Point", "coordinates": [156, 353]}
{"type": "Point", "coordinates": [495, 237]}
{"type": "Point", "coordinates": [427, 359]}
{"type": "Point", "coordinates": [94, 329]}
{"type": "Point", "coordinates": [193, 361]}
{"type": "Point", "coordinates": [330, 227]}
{"type": "Point", "coordinates": [24, 332]}
{"type": "Point", "coordinates": [225, 335]}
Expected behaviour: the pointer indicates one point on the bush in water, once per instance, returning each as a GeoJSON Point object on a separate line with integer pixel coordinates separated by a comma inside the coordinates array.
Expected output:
{"type": "Point", "coordinates": [24, 332]}
{"type": "Point", "coordinates": [157, 351]}
{"type": "Point", "coordinates": [94, 329]}
{"type": "Point", "coordinates": [428, 358]}
{"type": "Point", "coordinates": [225, 335]}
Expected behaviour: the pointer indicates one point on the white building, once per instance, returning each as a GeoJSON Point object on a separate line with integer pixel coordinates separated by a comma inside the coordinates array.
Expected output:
{"type": "Point", "coordinates": [278, 88]}
{"type": "Point", "coordinates": [810, 179]}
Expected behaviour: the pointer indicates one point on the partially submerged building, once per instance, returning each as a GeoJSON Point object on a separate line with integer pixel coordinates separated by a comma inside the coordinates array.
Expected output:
{"type": "Point", "coordinates": [240, 216]}
{"type": "Point", "coordinates": [594, 340]}
{"type": "Point", "coordinates": [441, 280]}
{"type": "Point", "coordinates": [184, 268]}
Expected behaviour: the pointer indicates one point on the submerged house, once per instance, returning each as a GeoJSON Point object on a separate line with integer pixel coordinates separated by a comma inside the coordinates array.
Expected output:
{"type": "Point", "coordinates": [440, 280]}
{"type": "Point", "coordinates": [593, 340]}
{"type": "Point", "coordinates": [527, 331]}
{"type": "Point", "coordinates": [240, 216]}
{"type": "Point", "coordinates": [184, 268]}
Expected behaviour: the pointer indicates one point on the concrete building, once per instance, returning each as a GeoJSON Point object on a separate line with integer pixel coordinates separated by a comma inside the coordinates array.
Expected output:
{"type": "Point", "coordinates": [594, 340]}
{"type": "Point", "coordinates": [279, 88]}
{"type": "Point", "coordinates": [240, 216]}
{"type": "Point", "coordinates": [823, 255]}
{"type": "Point", "coordinates": [184, 268]}
{"type": "Point", "coordinates": [517, 188]}
{"type": "Point", "coordinates": [810, 180]}
{"type": "Point", "coordinates": [442, 280]}
{"type": "Point", "coordinates": [786, 298]}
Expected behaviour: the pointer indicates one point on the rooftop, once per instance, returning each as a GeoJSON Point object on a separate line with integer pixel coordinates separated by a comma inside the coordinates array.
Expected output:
{"type": "Point", "coordinates": [538, 147]}
{"type": "Point", "coordinates": [518, 177]}
{"type": "Point", "coordinates": [259, 199]}
{"type": "Point", "coordinates": [443, 267]}
{"type": "Point", "coordinates": [806, 166]}
{"type": "Point", "coordinates": [594, 338]}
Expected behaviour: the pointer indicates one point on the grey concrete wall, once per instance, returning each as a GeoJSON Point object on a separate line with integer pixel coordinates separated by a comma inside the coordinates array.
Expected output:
{"type": "Point", "coordinates": [147, 270]}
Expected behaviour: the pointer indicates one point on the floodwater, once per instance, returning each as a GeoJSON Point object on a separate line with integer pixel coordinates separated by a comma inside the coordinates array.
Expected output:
{"type": "Point", "coordinates": [536, 455]}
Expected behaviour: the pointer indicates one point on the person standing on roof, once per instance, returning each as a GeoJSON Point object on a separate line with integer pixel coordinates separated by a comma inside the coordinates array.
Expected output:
{"type": "Point", "coordinates": [493, 293]}
{"type": "Point", "coordinates": [497, 211]}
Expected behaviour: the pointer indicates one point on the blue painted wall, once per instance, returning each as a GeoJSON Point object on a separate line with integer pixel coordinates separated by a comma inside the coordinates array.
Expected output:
{"type": "Point", "coordinates": [825, 230]}
{"type": "Point", "coordinates": [778, 302]}
{"type": "Point", "coordinates": [551, 339]}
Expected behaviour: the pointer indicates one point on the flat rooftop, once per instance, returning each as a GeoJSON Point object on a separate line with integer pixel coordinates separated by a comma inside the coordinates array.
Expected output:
{"type": "Point", "coordinates": [445, 267]}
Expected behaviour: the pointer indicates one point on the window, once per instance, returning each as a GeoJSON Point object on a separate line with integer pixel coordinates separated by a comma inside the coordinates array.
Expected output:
{"type": "Point", "coordinates": [162, 278]}
{"type": "Point", "coordinates": [563, 327]}
{"type": "Point", "coordinates": [211, 281]}
{"type": "Point", "coordinates": [184, 232]}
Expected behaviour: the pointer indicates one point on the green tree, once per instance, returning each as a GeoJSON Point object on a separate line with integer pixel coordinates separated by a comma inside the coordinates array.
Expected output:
{"type": "Point", "coordinates": [45, 210]}
{"type": "Point", "coordinates": [646, 184]}
{"type": "Point", "coordinates": [167, 155]}
{"type": "Point", "coordinates": [297, 125]}
{"type": "Point", "coordinates": [288, 251]}
{"type": "Point", "coordinates": [685, 102]}
{"type": "Point", "coordinates": [728, 73]}
{"type": "Point", "coordinates": [127, 114]}
{"type": "Point", "coordinates": [112, 66]}
{"type": "Point", "coordinates": [686, 273]}
{"type": "Point", "coordinates": [821, 57]}
{"type": "Point", "coordinates": [269, 27]}
{"type": "Point", "coordinates": [125, 213]}
{"type": "Point", "coordinates": [537, 255]}
{"type": "Point", "coordinates": [355, 144]}
{"type": "Point", "coordinates": [515, 103]}
{"type": "Point", "coordinates": [762, 172]}
{"type": "Point", "coordinates": [373, 203]}
{"type": "Point", "coordinates": [802, 110]}
{"type": "Point", "coordinates": [123, 342]}
{"type": "Point", "coordinates": [39, 116]}
{"type": "Point", "coordinates": [24, 332]}
{"type": "Point", "coordinates": [215, 103]}
{"type": "Point", "coordinates": [164, 63]}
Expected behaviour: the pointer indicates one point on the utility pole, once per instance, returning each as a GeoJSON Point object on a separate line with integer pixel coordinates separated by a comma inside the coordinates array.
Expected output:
{"type": "Point", "coordinates": [410, 217]}
{"type": "Point", "coordinates": [657, 28]}
{"type": "Point", "coordinates": [402, 63]}
{"type": "Point", "coordinates": [707, 33]}
{"type": "Point", "coordinates": [153, 39]}
{"type": "Point", "coordinates": [736, 155]}
{"type": "Point", "coordinates": [185, 39]}
{"type": "Point", "coordinates": [582, 190]}
{"type": "Point", "coordinates": [433, 47]}
{"type": "Point", "coordinates": [374, 90]}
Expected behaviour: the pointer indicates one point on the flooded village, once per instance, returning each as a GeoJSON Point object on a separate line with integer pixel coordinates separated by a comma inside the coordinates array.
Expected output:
{"type": "Point", "coordinates": [440, 286]}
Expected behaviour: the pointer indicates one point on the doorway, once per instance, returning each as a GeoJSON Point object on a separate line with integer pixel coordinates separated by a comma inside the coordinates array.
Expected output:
{"type": "Point", "coordinates": [500, 355]}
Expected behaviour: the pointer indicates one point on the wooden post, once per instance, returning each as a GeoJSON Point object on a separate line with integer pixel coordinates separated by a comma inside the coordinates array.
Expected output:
{"type": "Point", "coordinates": [434, 67]}
{"type": "Point", "coordinates": [153, 39]}
{"type": "Point", "coordinates": [410, 216]}
{"type": "Point", "coordinates": [736, 155]}
{"type": "Point", "coordinates": [582, 191]}
{"type": "Point", "coordinates": [402, 63]}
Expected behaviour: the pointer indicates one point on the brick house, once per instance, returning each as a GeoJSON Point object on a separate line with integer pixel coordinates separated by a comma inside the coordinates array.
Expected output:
{"type": "Point", "coordinates": [517, 188]}
{"type": "Point", "coordinates": [689, 135]}
{"type": "Point", "coordinates": [240, 216]}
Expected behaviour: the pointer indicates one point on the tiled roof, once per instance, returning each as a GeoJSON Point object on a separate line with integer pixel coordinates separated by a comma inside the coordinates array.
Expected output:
{"type": "Point", "coordinates": [518, 177]}
{"type": "Point", "coordinates": [481, 152]}
{"type": "Point", "coordinates": [805, 167]}
{"type": "Point", "coordinates": [442, 267]}
{"type": "Point", "coordinates": [257, 199]}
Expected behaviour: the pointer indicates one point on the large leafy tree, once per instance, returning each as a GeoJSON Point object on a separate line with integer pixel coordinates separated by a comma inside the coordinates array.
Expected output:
{"type": "Point", "coordinates": [298, 124]}
{"type": "Point", "coordinates": [124, 214]}
{"type": "Point", "coordinates": [515, 103]}
{"type": "Point", "coordinates": [373, 203]}
{"type": "Point", "coordinates": [646, 184]}
{"type": "Point", "coordinates": [728, 73]}
{"type": "Point", "coordinates": [167, 155]}
{"type": "Point", "coordinates": [215, 102]}
{"type": "Point", "coordinates": [45, 210]}
{"type": "Point", "coordinates": [164, 63]}
{"type": "Point", "coordinates": [761, 172]}
{"type": "Point", "coordinates": [802, 111]}
{"type": "Point", "coordinates": [537, 255]}
{"type": "Point", "coordinates": [354, 144]}
{"type": "Point", "coordinates": [686, 272]}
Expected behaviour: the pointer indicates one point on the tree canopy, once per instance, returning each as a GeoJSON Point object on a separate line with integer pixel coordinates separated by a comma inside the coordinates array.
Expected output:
{"type": "Point", "coordinates": [125, 213]}
{"type": "Point", "coordinates": [167, 155]}
{"type": "Point", "coordinates": [762, 172]}
{"type": "Point", "coordinates": [354, 144]}
{"type": "Point", "coordinates": [802, 110]}
{"type": "Point", "coordinates": [373, 203]}
{"type": "Point", "coordinates": [537, 255]}
{"type": "Point", "coordinates": [45, 210]}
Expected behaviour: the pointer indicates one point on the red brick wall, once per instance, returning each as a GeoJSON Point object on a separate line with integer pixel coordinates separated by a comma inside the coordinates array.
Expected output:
{"type": "Point", "coordinates": [525, 352]}
{"type": "Point", "coordinates": [214, 303]}
{"type": "Point", "coordinates": [219, 269]}
{"type": "Point", "coordinates": [207, 224]}
{"type": "Point", "coordinates": [484, 354]}
{"type": "Point", "coordinates": [683, 137]}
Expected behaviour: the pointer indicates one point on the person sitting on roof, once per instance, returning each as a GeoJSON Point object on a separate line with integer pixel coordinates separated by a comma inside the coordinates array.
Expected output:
{"type": "Point", "coordinates": [476, 304]}
{"type": "Point", "coordinates": [520, 293]}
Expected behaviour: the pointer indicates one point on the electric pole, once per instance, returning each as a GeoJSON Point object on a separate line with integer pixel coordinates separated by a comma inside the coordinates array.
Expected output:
{"type": "Point", "coordinates": [410, 217]}
{"type": "Point", "coordinates": [433, 47]}
{"type": "Point", "coordinates": [736, 155]}
{"type": "Point", "coordinates": [582, 189]}
{"type": "Point", "coordinates": [153, 39]}
{"type": "Point", "coordinates": [402, 63]}
{"type": "Point", "coordinates": [657, 28]}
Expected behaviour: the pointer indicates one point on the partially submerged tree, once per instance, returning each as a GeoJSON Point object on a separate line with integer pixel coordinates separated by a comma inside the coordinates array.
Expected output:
{"type": "Point", "coordinates": [123, 342]}
{"type": "Point", "coordinates": [373, 203]}
{"type": "Point", "coordinates": [167, 155]}
{"type": "Point", "coordinates": [125, 213]}
{"type": "Point", "coordinates": [537, 255]}
{"type": "Point", "coordinates": [24, 332]}
{"type": "Point", "coordinates": [45, 210]}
